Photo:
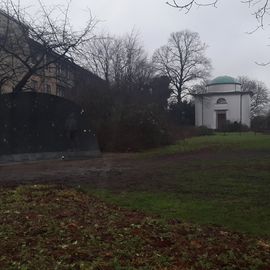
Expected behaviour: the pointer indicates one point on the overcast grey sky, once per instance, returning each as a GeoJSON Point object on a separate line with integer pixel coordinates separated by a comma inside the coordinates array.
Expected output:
{"type": "Point", "coordinates": [232, 51]}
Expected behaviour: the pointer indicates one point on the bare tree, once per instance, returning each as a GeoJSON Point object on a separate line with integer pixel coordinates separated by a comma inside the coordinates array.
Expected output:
{"type": "Point", "coordinates": [136, 69]}
{"type": "Point", "coordinates": [32, 43]}
{"type": "Point", "coordinates": [183, 61]}
{"type": "Point", "coordinates": [188, 5]}
{"type": "Point", "coordinates": [7, 72]}
{"type": "Point", "coordinates": [98, 56]}
{"type": "Point", "coordinates": [200, 88]}
{"type": "Point", "coordinates": [121, 61]}
{"type": "Point", "coordinates": [260, 99]}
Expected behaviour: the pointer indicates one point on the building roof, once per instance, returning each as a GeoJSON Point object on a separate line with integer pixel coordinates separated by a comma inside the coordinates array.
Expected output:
{"type": "Point", "coordinates": [224, 80]}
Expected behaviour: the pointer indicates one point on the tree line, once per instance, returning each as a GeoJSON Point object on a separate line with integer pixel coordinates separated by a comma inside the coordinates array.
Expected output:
{"type": "Point", "coordinates": [141, 97]}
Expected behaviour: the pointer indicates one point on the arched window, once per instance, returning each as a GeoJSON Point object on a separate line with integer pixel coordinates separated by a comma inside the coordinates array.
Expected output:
{"type": "Point", "coordinates": [221, 101]}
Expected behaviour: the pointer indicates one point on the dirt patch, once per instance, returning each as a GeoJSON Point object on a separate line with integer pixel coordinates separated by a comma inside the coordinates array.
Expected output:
{"type": "Point", "coordinates": [114, 171]}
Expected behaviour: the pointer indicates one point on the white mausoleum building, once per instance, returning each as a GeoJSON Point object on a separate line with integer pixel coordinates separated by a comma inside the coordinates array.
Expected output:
{"type": "Point", "coordinates": [223, 100]}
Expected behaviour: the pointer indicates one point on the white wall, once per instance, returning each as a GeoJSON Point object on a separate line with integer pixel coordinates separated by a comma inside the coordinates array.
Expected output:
{"type": "Point", "coordinates": [204, 115]}
{"type": "Point", "coordinates": [246, 101]}
{"type": "Point", "coordinates": [232, 109]}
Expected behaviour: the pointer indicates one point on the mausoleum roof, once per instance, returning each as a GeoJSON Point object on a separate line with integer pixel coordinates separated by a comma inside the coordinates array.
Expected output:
{"type": "Point", "coordinates": [224, 80]}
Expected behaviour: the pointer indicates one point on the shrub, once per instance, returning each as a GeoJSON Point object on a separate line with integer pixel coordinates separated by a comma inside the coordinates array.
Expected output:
{"type": "Point", "coordinates": [134, 129]}
{"type": "Point", "coordinates": [205, 131]}
{"type": "Point", "coordinates": [182, 113]}
{"type": "Point", "coordinates": [260, 123]}
{"type": "Point", "coordinates": [141, 129]}
{"type": "Point", "coordinates": [234, 127]}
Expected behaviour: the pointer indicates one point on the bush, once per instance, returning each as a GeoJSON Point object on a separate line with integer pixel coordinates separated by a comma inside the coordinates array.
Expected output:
{"type": "Point", "coordinates": [183, 113]}
{"type": "Point", "coordinates": [205, 131]}
{"type": "Point", "coordinates": [135, 129]}
{"type": "Point", "coordinates": [234, 127]}
{"type": "Point", "coordinates": [141, 129]}
{"type": "Point", "coordinates": [261, 123]}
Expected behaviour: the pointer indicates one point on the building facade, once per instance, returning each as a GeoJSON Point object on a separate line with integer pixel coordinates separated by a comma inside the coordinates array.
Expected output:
{"type": "Point", "coordinates": [57, 78]}
{"type": "Point", "coordinates": [223, 100]}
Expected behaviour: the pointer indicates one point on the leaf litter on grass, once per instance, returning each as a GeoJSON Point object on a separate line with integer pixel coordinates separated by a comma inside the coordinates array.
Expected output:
{"type": "Point", "coordinates": [55, 227]}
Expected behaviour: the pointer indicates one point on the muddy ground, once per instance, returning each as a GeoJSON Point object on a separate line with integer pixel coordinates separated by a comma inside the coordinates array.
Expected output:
{"type": "Point", "coordinates": [116, 171]}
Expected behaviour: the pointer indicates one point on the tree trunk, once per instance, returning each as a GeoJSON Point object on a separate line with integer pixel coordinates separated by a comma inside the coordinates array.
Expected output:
{"type": "Point", "coordinates": [21, 84]}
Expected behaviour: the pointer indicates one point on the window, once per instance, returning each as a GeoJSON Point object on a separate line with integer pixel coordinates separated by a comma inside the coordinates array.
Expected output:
{"type": "Point", "coordinates": [51, 68]}
{"type": "Point", "coordinates": [59, 69]}
{"type": "Point", "coordinates": [221, 101]}
{"type": "Point", "coordinates": [34, 85]}
{"type": "Point", "coordinates": [68, 72]}
{"type": "Point", "coordinates": [48, 89]}
{"type": "Point", "coordinates": [60, 90]}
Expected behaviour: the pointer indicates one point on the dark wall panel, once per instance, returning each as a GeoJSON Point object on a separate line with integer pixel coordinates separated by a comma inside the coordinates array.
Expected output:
{"type": "Point", "coordinates": [35, 122]}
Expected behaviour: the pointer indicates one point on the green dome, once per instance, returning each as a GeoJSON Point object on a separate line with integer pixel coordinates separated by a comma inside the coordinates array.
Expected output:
{"type": "Point", "coordinates": [224, 80]}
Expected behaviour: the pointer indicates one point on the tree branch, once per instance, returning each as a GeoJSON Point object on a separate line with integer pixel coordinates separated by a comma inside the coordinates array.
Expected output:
{"type": "Point", "coordinates": [189, 5]}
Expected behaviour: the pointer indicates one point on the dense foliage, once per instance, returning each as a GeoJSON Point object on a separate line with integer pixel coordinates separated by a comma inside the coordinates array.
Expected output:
{"type": "Point", "coordinates": [261, 123]}
{"type": "Point", "coordinates": [130, 116]}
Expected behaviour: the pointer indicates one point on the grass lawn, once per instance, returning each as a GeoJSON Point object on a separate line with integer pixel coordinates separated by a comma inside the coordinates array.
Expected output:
{"type": "Point", "coordinates": [202, 204]}
{"type": "Point", "coordinates": [218, 142]}
{"type": "Point", "coordinates": [51, 227]}
{"type": "Point", "coordinates": [221, 179]}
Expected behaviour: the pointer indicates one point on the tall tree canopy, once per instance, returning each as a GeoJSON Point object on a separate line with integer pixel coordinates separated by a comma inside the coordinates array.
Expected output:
{"type": "Point", "coordinates": [120, 61]}
{"type": "Point", "coordinates": [260, 100]}
{"type": "Point", "coordinates": [183, 61]}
